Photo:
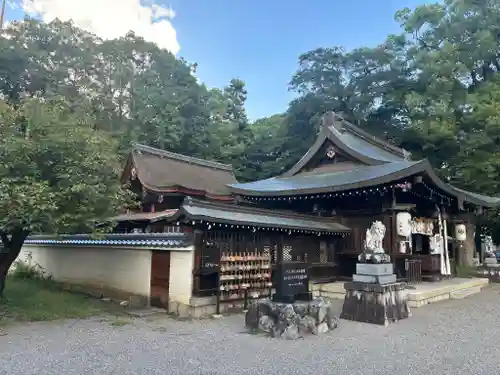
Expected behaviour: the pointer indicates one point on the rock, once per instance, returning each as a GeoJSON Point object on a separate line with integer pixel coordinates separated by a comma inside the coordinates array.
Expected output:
{"type": "Point", "coordinates": [331, 320]}
{"type": "Point", "coordinates": [322, 311]}
{"type": "Point", "coordinates": [307, 323]}
{"type": "Point", "coordinates": [314, 310]}
{"type": "Point", "coordinates": [290, 321]}
{"type": "Point", "coordinates": [266, 324]}
{"type": "Point", "coordinates": [252, 319]}
{"type": "Point", "coordinates": [300, 309]}
{"type": "Point", "coordinates": [320, 329]}
{"type": "Point", "coordinates": [291, 333]}
{"type": "Point", "coordinates": [278, 329]}
{"type": "Point", "coordinates": [334, 323]}
{"type": "Point", "coordinates": [265, 307]}
{"type": "Point", "coordinates": [284, 318]}
{"type": "Point", "coordinates": [288, 315]}
{"type": "Point", "coordinates": [124, 303]}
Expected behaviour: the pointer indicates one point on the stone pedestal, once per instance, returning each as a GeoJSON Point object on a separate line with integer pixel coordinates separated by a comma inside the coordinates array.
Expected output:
{"type": "Point", "coordinates": [491, 262]}
{"type": "Point", "coordinates": [490, 269]}
{"type": "Point", "coordinates": [374, 296]}
{"type": "Point", "coordinates": [374, 273]}
{"type": "Point", "coordinates": [291, 321]}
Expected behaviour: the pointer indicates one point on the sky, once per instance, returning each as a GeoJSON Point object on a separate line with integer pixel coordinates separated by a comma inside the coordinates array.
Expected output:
{"type": "Point", "coordinates": [258, 41]}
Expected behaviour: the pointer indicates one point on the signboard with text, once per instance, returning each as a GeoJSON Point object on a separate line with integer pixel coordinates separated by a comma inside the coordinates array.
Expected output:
{"type": "Point", "coordinates": [292, 280]}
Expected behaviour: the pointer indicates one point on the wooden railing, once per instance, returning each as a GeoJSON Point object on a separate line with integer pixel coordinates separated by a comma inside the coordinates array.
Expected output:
{"type": "Point", "coordinates": [413, 268]}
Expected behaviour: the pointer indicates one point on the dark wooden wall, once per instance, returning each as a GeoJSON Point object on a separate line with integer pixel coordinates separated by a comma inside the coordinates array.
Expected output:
{"type": "Point", "coordinates": [354, 244]}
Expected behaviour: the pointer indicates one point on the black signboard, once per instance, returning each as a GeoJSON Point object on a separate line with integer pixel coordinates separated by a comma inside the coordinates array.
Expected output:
{"type": "Point", "coordinates": [292, 281]}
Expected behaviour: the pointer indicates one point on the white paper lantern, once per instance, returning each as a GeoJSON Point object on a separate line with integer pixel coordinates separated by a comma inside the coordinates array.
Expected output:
{"type": "Point", "coordinates": [402, 247]}
{"type": "Point", "coordinates": [403, 220]}
{"type": "Point", "coordinates": [460, 232]}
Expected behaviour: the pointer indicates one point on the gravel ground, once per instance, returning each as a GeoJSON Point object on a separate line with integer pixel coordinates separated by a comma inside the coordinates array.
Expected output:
{"type": "Point", "coordinates": [453, 337]}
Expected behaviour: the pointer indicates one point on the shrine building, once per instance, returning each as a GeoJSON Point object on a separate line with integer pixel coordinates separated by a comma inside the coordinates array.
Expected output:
{"type": "Point", "coordinates": [201, 239]}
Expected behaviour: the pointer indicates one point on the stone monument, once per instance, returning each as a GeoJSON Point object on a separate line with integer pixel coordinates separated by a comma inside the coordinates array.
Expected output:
{"type": "Point", "coordinates": [373, 295]}
{"type": "Point", "coordinates": [291, 312]}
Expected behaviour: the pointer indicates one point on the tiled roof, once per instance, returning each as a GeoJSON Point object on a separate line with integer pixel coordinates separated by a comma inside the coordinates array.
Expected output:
{"type": "Point", "coordinates": [353, 141]}
{"type": "Point", "coordinates": [257, 217]}
{"type": "Point", "coordinates": [491, 201]}
{"type": "Point", "coordinates": [357, 178]}
{"type": "Point", "coordinates": [166, 172]}
{"type": "Point", "coordinates": [142, 240]}
{"type": "Point", "coordinates": [328, 182]}
{"type": "Point", "coordinates": [225, 213]}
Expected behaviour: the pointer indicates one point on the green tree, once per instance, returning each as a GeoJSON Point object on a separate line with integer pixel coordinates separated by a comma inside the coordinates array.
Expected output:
{"type": "Point", "coordinates": [366, 85]}
{"type": "Point", "coordinates": [57, 175]}
{"type": "Point", "coordinates": [453, 51]}
{"type": "Point", "coordinates": [236, 95]}
{"type": "Point", "coordinates": [262, 153]}
{"type": "Point", "coordinates": [432, 90]}
{"type": "Point", "coordinates": [416, 88]}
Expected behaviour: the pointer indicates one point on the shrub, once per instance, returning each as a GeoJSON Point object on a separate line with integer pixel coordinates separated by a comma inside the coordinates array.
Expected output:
{"type": "Point", "coordinates": [26, 269]}
{"type": "Point", "coordinates": [466, 271]}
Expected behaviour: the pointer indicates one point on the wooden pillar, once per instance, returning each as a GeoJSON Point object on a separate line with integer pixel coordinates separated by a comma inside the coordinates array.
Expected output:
{"type": "Point", "coordinates": [198, 244]}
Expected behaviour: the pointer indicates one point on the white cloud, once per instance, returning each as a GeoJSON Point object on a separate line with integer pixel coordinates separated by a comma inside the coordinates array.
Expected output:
{"type": "Point", "coordinates": [12, 5]}
{"type": "Point", "coordinates": [111, 19]}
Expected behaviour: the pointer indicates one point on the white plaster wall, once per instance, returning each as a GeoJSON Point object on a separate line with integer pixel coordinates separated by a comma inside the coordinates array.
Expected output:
{"type": "Point", "coordinates": [181, 276]}
{"type": "Point", "coordinates": [127, 270]}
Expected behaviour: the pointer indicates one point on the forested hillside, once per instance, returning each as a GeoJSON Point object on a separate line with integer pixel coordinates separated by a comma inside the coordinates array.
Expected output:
{"type": "Point", "coordinates": [433, 89]}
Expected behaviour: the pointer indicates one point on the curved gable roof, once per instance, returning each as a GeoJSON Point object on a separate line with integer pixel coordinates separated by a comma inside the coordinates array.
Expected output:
{"type": "Point", "coordinates": [361, 177]}
{"type": "Point", "coordinates": [353, 141]}
{"type": "Point", "coordinates": [167, 172]}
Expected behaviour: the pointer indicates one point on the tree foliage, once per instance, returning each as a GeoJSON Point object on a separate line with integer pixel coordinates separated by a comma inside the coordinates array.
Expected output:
{"type": "Point", "coordinates": [57, 175]}
{"type": "Point", "coordinates": [72, 106]}
{"type": "Point", "coordinates": [433, 89]}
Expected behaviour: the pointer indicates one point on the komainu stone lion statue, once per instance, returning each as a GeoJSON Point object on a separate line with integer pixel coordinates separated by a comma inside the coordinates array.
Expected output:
{"type": "Point", "coordinates": [374, 250]}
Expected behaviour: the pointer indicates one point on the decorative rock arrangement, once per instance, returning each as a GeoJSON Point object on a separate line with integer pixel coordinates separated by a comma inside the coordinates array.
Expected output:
{"type": "Point", "coordinates": [291, 321]}
{"type": "Point", "coordinates": [375, 303]}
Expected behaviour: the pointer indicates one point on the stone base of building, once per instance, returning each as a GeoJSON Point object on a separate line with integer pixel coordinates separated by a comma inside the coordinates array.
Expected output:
{"type": "Point", "coordinates": [291, 321]}
{"type": "Point", "coordinates": [204, 307]}
{"type": "Point", "coordinates": [96, 290]}
{"type": "Point", "coordinates": [375, 303]}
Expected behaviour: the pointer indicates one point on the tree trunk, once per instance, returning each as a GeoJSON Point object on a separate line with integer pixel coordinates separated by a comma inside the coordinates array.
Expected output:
{"type": "Point", "coordinates": [12, 245]}
{"type": "Point", "coordinates": [467, 249]}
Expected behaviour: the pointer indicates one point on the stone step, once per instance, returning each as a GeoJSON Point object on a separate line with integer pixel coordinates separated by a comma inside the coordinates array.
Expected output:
{"type": "Point", "coordinates": [459, 294]}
